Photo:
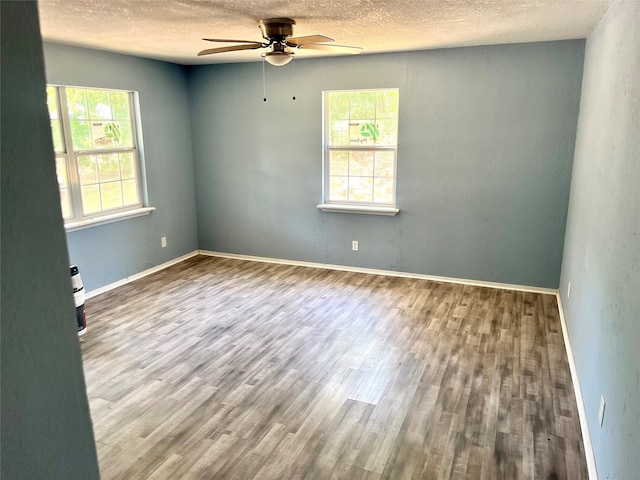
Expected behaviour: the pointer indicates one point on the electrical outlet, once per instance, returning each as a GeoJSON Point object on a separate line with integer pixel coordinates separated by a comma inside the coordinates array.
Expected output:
{"type": "Point", "coordinates": [354, 245]}
{"type": "Point", "coordinates": [163, 241]}
{"type": "Point", "coordinates": [601, 411]}
{"type": "Point", "coordinates": [569, 291]}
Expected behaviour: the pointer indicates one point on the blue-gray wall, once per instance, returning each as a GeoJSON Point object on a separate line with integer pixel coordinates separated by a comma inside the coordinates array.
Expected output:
{"type": "Point", "coordinates": [112, 252]}
{"type": "Point", "coordinates": [46, 428]}
{"type": "Point", "coordinates": [485, 152]}
{"type": "Point", "coordinates": [486, 145]}
{"type": "Point", "coordinates": [602, 248]}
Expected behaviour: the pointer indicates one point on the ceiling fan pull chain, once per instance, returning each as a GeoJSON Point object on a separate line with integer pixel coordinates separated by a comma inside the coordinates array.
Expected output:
{"type": "Point", "coordinates": [295, 78]}
{"type": "Point", "coordinates": [264, 82]}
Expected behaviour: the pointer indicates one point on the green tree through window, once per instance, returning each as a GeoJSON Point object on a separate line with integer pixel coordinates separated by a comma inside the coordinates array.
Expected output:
{"type": "Point", "coordinates": [361, 139]}
{"type": "Point", "coordinates": [97, 160]}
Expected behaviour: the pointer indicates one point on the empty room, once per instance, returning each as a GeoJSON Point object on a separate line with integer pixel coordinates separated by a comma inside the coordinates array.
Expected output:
{"type": "Point", "coordinates": [316, 240]}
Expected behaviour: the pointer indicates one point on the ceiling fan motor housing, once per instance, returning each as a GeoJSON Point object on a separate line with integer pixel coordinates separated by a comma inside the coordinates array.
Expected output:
{"type": "Point", "coordinates": [278, 29]}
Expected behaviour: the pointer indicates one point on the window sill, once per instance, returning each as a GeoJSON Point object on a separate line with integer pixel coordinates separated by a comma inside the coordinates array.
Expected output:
{"type": "Point", "coordinates": [363, 209]}
{"type": "Point", "coordinates": [108, 218]}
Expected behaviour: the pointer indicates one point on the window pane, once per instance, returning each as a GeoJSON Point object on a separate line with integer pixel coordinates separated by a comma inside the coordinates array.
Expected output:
{"type": "Point", "coordinates": [339, 163]}
{"type": "Point", "coordinates": [363, 133]}
{"type": "Point", "coordinates": [383, 190]}
{"type": "Point", "coordinates": [98, 103]}
{"type": "Point", "coordinates": [130, 192]}
{"type": "Point", "coordinates": [111, 195]}
{"type": "Point", "coordinates": [56, 135]}
{"type": "Point", "coordinates": [119, 105]}
{"type": "Point", "coordinates": [61, 172]}
{"type": "Point", "coordinates": [52, 102]}
{"type": "Point", "coordinates": [360, 163]}
{"type": "Point", "coordinates": [384, 164]}
{"type": "Point", "coordinates": [126, 135]}
{"type": "Point", "coordinates": [339, 133]}
{"type": "Point", "coordinates": [387, 132]}
{"type": "Point", "coordinates": [81, 135]}
{"type": "Point", "coordinates": [77, 103]}
{"type": "Point", "coordinates": [63, 183]}
{"type": "Point", "coordinates": [108, 168]}
{"type": "Point", "coordinates": [52, 105]}
{"type": "Point", "coordinates": [363, 105]}
{"type": "Point", "coordinates": [91, 199]}
{"type": "Point", "coordinates": [339, 188]}
{"type": "Point", "coordinates": [339, 105]}
{"type": "Point", "coordinates": [387, 104]}
{"type": "Point", "coordinates": [65, 203]}
{"type": "Point", "coordinates": [127, 165]}
{"type": "Point", "coordinates": [87, 169]}
{"type": "Point", "coordinates": [372, 118]}
{"type": "Point", "coordinates": [105, 134]}
{"type": "Point", "coordinates": [360, 189]}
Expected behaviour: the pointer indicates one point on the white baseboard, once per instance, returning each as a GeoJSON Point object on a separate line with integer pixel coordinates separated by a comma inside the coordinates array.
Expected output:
{"type": "Point", "coordinates": [582, 411]}
{"type": "Point", "coordinates": [586, 437]}
{"type": "Point", "coordinates": [124, 281]}
{"type": "Point", "coordinates": [389, 273]}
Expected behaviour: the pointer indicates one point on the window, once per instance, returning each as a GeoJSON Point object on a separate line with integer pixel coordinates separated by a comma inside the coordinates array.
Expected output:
{"type": "Point", "coordinates": [97, 158]}
{"type": "Point", "coordinates": [360, 147]}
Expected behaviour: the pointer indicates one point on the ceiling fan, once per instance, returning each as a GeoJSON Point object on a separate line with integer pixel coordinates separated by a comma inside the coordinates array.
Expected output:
{"type": "Point", "coordinates": [277, 33]}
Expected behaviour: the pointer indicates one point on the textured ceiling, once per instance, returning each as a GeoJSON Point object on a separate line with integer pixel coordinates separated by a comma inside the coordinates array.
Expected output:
{"type": "Point", "coordinates": [172, 30]}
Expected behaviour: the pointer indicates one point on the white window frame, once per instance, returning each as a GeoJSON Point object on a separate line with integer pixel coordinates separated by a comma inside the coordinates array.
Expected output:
{"type": "Point", "coordinates": [348, 206]}
{"type": "Point", "coordinates": [78, 219]}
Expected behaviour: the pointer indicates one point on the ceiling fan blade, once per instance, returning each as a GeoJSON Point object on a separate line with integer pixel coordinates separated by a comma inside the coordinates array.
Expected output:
{"type": "Point", "coordinates": [232, 48]}
{"type": "Point", "coordinates": [226, 40]}
{"type": "Point", "coordinates": [332, 48]}
{"type": "Point", "coordinates": [296, 41]}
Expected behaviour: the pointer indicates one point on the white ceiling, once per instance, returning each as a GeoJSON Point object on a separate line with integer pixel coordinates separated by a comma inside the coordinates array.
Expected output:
{"type": "Point", "coordinates": [172, 30]}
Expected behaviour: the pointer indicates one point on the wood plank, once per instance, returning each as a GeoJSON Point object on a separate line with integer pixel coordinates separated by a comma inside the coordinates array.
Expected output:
{"type": "Point", "coordinates": [222, 368]}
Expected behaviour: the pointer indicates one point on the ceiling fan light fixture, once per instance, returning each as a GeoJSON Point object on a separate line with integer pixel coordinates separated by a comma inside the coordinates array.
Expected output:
{"type": "Point", "coordinates": [278, 58]}
{"type": "Point", "coordinates": [277, 34]}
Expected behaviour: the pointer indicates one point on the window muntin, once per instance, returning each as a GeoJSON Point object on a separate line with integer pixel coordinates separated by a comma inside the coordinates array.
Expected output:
{"type": "Point", "coordinates": [97, 159]}
{"type": "Point", "coordinates": [361, 138]}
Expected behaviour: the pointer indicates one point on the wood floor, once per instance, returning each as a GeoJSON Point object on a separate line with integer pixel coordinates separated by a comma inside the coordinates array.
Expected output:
{"type": "Point", "coordinates": [229, 369]}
